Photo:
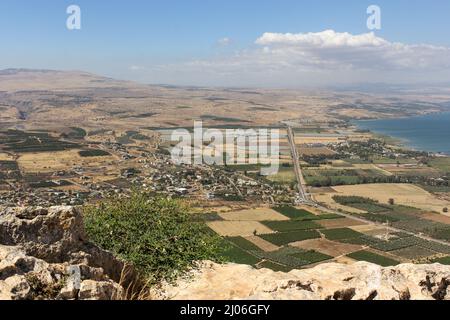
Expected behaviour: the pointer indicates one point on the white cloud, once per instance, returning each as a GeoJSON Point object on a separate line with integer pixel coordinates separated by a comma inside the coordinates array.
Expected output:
{"type": "Point", "coordinates": [224, 42]}
{"type": "Point", "coordinates": [322, 58]}
{"type": "Point", "coordinates": [325, 39]}
{"type": "Point", "coordinates": [136, 68]}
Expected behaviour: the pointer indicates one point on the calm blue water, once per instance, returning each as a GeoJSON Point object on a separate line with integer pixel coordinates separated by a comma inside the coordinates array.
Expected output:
{"type": "Point", "coordinates": [426, 133]}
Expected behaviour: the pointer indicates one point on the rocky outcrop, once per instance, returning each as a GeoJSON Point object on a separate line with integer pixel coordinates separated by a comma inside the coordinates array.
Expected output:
{"type": "Point", "coordinates": [44, 254]}
{"type": "Point", "coordinates": [359, 281]}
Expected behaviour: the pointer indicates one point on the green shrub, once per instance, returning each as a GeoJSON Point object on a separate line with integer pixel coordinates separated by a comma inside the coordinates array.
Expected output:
{"type": "Point", "coordinates": [157, 235]}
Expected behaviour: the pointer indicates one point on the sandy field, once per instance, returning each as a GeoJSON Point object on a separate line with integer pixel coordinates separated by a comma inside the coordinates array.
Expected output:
{"type": "Point", "coordinates": [436, 217]}
{"type": "Point", "coordinates": [5, 157]}
{"type": "Point", "coordinates": [405, 194]}
{"type": "Point", "coordinates": [339, 223]}
{"type": "Point", "coordinates": [316, 139]}
{"type": "Point", "coordinates": [327, 199]}
{"type": "Point", "coordinates": [258, 214]}
{"type": "Point", "coordinates": [328, 247]}
{"type": "Point", "coordinates": [61, 160]}
{"type": "Point", "coordinates": [238, 228]}
{"type": "Point", "coordinates": [262, 244]}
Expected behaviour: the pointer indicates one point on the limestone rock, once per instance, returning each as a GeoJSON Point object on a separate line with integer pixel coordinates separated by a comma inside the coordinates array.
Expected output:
{"type": "Point", "coordinates": [103, 290]}
{"type": "Point", "coordinates": [44, 254]}
{"type": "Point", "coordinates": [359, 281]}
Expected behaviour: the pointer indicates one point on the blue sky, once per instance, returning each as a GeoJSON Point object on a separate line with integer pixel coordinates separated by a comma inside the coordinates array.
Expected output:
{"type": "Point", "coordinates": [149, 41]}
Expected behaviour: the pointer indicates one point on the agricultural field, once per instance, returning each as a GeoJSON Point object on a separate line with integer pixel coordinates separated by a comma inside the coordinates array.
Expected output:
{"type": "Point", "coordinates": [285, 238]}
{"type": "Point", "coordinates": [315, 151]}
{"type": "Point", "coordinates": [303, 238]}
{"type": "Point", "coordinates": [93, 153]}
{"type": "Point", "coordinates": [320, 177]}
{"type": "Point", "coordinates": [331, 248]}
{"type": "Point", "coordinates": [257, 214]}
{"type": "Point", "coordinates": [238, 228]}
{"type": "Point", "coordinates": [285, 175]}
{"type": "Point", "coordinates": [6, 157]}
{"type": "Point", "coordinates": [442, 164]}
{"type": "Point", "coordinates": [20, 141]}
{"type": "Point", "coordinates": [373, 258]}
{"type": "Point", "coordinates": [9, 170]}
{"type": "Point", "coordinates": [60, 160]}
{"type": "Point", "coordinates": [443, 260]}
{"type": "Point", "coordinates": [398, 216]}
{"type": "Point", "coordinates": [404, 194]}
{"type": "Point", "coordinates": [265, 241]}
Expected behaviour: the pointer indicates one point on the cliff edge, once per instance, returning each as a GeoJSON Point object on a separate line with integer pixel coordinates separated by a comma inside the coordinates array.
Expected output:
{"type": "Point", "coordinates": [45, 254]}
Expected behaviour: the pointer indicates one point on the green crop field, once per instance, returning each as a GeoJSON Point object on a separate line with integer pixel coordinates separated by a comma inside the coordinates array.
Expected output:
{"type": "Point", "coordinates": [312, 256]}
{"type": "Point", "coordinates": [296, 214]}
{"type": "Point", "coordinates": [340, 234]}
{"type": "Point", "coordinates": [284, 238]}
{"type": "Point", "coordinates": [20, 141]}
{"type": "Point", "coordinates": [284, 226]}
{"type": "Point", "coordinates": [93, 153]}
{"type": "Point", "coordinates": [238, 255]}
{"type": "Point", "coordinates": [243, 243]}
{"type": "Point", "coordinates": [373, 258]}
{"type": "Point", "coordinates": [292, 257]}
{"type": "Point", "coordinates": [442, 164]}
{"type": "Point", "coordinates": [413, 253]}
{"type": "Point", "coordinates": [9, 170]}
{"type": "Point", "coordinates": [50, 184]}
{"type": "Point", "coordinates": [443, 260]}
{"type": "Point", "coordinates": [274, 266]}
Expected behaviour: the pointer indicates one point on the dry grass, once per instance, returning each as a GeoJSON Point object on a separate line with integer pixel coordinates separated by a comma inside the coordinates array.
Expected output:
{"type": "Point", "coordinates": [61, 160]}
{"type": "Point", "coordinates": [5, 157]}
{"type": "Point", "coordinates": [258, 214]}
{"type": "Point", "coordinates": [316, 139]}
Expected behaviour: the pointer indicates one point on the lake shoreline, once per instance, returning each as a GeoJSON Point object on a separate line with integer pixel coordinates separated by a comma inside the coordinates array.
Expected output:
{"type": "Point", "coordinates": [426, 132]}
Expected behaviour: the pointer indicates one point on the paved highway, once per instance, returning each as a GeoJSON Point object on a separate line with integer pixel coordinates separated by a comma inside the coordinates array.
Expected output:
{"type": "Point", "coordinates": [301, 185]}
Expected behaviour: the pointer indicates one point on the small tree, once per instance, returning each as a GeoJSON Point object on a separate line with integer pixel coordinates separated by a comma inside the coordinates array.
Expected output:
{"type": "Point", "coordinates": [391, 202]}
{"type": "Point", "coordinates": [445, 210]}
{"type": "Point", "coordinates": [159, 236]}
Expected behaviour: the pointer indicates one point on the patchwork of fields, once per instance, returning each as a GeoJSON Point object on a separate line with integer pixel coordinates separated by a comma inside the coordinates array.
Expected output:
{"type": "Point", "coordinates": [286, 238]}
